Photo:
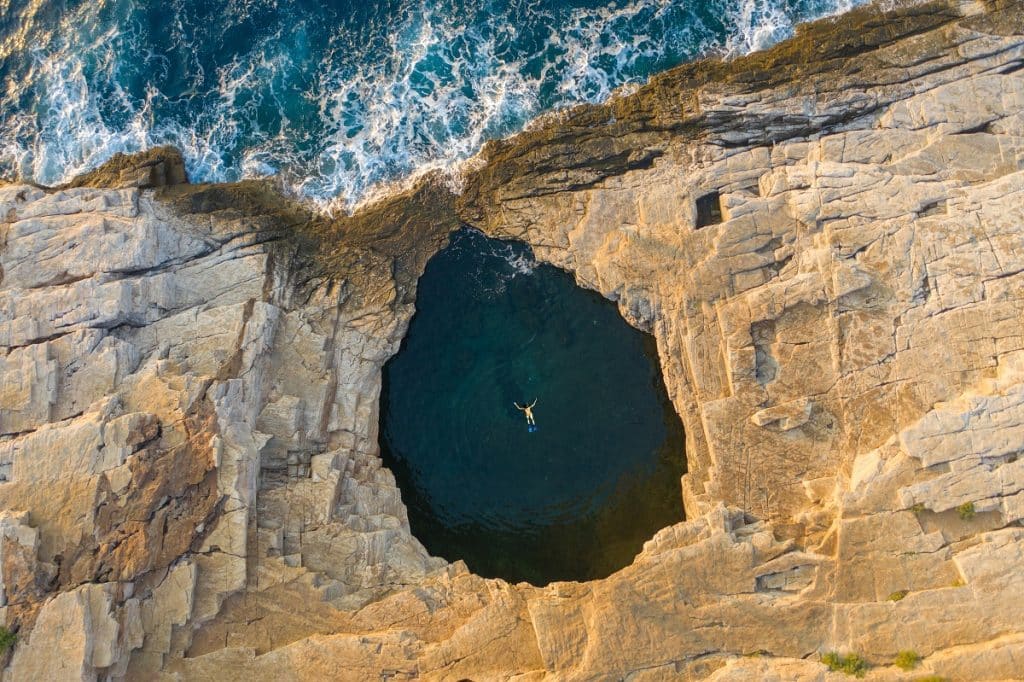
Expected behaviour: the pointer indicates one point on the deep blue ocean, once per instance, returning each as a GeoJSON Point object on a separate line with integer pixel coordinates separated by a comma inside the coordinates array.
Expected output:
{"type": "Point", "coordinates": [339, 99]}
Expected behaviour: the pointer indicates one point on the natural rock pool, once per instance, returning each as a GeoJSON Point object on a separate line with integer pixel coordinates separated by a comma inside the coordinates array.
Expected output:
{"type": "Point", "coordinates": [577, 498]}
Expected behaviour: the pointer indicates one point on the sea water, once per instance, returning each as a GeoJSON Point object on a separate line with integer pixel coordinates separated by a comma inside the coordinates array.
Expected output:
{"type": "Point", "coordinates": [338, 99]}
{"type": "Point", "coordinates": [575, 499]}
{"type": "Point", "coordinates": [342, 100]}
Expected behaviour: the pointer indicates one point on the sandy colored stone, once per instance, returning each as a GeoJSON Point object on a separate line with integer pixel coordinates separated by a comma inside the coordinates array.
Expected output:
{"type": "Point", "coordinates": [190, 479]}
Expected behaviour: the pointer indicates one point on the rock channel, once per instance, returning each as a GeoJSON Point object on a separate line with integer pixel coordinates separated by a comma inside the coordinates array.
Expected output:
{"type": "Point", "coordinates": [826, 240]}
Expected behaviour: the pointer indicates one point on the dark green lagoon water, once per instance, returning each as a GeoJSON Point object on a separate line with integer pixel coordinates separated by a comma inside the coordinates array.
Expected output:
{"type": "Point", "coordinates": [575, 500]}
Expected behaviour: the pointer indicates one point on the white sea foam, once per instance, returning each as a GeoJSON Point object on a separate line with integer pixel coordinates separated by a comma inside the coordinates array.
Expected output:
{"type": "Point", "coordinates": [758, 24]}
{"type": "Point", "coordinates": [493, 281]}
{"type": "Point", "coordinates": [442, 86]}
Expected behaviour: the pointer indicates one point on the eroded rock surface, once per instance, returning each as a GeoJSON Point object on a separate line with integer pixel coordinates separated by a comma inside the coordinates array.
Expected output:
{"type": "Point", "coordinates": [190, 381]}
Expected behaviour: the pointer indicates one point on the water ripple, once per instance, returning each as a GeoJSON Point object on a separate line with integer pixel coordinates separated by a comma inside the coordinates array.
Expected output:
{"type": "Point", "coordinates": [339, 99]}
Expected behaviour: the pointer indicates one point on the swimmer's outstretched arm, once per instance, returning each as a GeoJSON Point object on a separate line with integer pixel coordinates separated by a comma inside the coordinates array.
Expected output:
{"type": "Point", "coordinates": [533, 403]}
{"type": "Point", "coordinates": [518, 407]}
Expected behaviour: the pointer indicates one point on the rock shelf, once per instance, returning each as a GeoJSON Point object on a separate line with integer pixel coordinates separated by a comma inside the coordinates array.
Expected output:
{"type": "Point", "coordinates": [190, 381]}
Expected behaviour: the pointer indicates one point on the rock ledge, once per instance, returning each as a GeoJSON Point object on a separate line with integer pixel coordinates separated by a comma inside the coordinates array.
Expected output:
{"type": "Point", "coordinates": [190, 485]}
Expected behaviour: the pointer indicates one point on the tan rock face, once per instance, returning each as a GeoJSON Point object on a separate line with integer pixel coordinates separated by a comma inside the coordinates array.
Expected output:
{"type": "Point", "coordinates": [189, 385]}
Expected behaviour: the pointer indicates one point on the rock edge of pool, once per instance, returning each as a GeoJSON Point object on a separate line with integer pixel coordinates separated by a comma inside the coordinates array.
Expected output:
{"type": "Point", "coordinates": [574, 497]}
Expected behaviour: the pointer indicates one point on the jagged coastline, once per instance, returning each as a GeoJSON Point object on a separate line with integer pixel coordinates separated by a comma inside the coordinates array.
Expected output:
{"type": "Point", "coordinates": [188, 415]}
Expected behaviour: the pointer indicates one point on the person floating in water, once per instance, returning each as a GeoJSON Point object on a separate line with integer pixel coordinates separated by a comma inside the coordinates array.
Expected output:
{"type": "Point", "coordinates": [528, 409]}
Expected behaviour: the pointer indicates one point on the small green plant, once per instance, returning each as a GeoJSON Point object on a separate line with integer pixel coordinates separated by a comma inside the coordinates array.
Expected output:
{"type": "Point", "coordinates": [957, 582]}
{"type": "Point", "coordinates": [906, 660]}
{"type": "Point", "coordinates": [966, 511]}
{"type": "Point", "coordinates": [918, 508]}
{"type": "Point", "coordinates": [7, 639]}
{"type": "Point", "coordinates": [932, 678]}
{"type": "Point", "coordinates": [851, 664]}
{"type": "Point", "coordinates": [898, 594]}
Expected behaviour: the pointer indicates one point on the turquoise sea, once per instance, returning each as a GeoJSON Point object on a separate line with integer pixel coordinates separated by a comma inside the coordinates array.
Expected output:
{"type": "Point", "coordinates": [337, 98]}
{"type": "Point", "coordinates": [341, 100]}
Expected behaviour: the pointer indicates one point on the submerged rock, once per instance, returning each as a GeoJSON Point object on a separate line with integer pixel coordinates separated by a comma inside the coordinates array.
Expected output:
{"type": "Point", "coordinates": [191, 374]}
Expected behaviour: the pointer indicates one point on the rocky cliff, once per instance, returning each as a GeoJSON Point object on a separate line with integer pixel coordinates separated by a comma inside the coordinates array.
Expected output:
{"type": "Point", "coordinates": [827, 242]}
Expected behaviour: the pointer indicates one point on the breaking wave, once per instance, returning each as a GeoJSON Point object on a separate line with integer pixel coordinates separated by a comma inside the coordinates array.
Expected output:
{"type": "Point", "coordinates": [337, 99]}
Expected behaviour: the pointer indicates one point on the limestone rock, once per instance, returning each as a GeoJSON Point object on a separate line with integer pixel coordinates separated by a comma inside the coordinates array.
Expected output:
{"type": "Point", "coordinates": [190, 479]}
{"type": "Point", "coordinates": [75, 634]}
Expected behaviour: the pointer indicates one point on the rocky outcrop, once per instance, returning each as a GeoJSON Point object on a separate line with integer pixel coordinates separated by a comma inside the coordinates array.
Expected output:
{"type": "Point", "coordinates": [157, 167]}
{"type": "Point", "coordinates": [827, 242]}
